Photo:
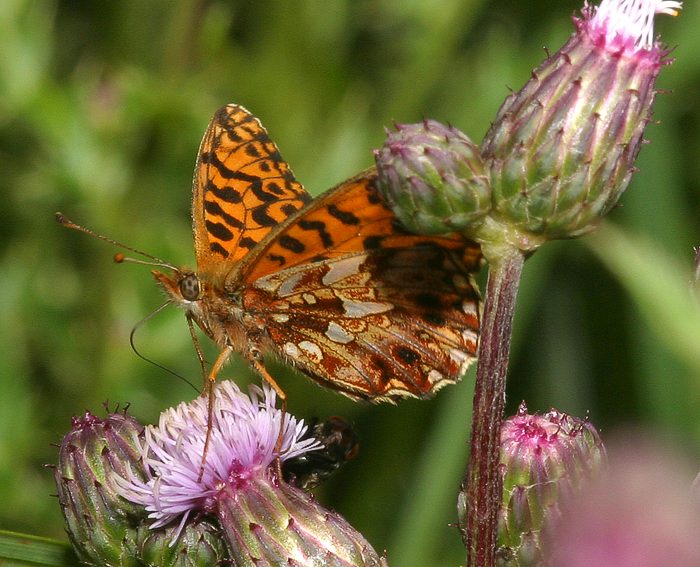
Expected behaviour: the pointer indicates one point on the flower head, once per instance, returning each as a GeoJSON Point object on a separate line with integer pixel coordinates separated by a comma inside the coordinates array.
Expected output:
{"type": "Point", "coordinates": [544, 459]}
{"type": "Point", "coordinates": [262, 519]}
{"type": "Point", "coordinates": [562, 149]}
{"type": "Point", "coordinates": [244, 435]}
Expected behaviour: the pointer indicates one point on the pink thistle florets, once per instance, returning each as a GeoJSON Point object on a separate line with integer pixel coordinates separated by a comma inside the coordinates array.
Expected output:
{"type": "Point", "coordinates": [245, 430]}
{"type": "Point", "coordinates": [628, 24]}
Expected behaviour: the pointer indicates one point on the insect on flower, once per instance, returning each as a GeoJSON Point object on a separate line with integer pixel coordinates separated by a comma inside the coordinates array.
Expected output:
{"type": "Point", "coordinates": [339, 444]}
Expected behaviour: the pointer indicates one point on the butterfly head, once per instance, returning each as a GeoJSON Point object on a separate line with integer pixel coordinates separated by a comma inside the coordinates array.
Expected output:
{"type": "Point", "coordinates": [200, 301]}
{"type": "Point", "coordinates": [183, 286]}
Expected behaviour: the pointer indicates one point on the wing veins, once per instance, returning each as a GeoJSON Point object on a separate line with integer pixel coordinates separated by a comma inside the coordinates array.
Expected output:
{"type": "Point", "coordinates": [315, 336]}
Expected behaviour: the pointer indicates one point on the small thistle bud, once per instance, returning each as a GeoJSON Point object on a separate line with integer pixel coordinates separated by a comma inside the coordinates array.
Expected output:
{"type": "Point", "coordinates": [433, 178]}
{"type": "Point", "coordinates": [561, 150]}
{"type": "Point", "coordinates": [199, 544]}
{"type": "Point", "coordinates": [100, 523]}
{"type": "Point", "coordinates": [544, 459]}
{"type": "Point", "coordinates": [263, 520]}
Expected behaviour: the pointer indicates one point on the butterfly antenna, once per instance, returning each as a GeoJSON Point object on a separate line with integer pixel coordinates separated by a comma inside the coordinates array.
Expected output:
{"type": "Point", "coordinates": [145, 358]}
{"type": "Point", "coordinates": [119, 258]}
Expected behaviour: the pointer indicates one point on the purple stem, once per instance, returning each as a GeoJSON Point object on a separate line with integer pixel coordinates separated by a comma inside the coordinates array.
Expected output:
{"type": "Point", "coordinates": [482, 483]}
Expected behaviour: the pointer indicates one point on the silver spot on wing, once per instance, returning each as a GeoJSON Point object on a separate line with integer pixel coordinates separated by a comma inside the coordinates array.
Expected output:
{"type": "Point", "coordinates": [342, 269]}
{"type": "Point", "coordinates": [312, 350]}
{"type": "Point", "coordinates": [358, 309]}
{"type": "Point", "coordinates": [338, 335]}
{"type": "Point", "coordinates": [291, 350]}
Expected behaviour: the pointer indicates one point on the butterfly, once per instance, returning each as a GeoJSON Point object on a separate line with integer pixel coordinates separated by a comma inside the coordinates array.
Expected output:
{"type": "Point", "coordinates": [332, 286]}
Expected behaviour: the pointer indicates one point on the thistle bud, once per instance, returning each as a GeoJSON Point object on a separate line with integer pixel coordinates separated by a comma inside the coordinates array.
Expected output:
{"type": "Point", "coordinates": [270, 523]}
{"type": "Point", "coordinates": [561, 150]}
{"type": "Point", "coordinates": [433, 178]}
{"type": "Point", "coordinates": [544, 459]}
{"type": "Point", "coordinates": [198, 544]}
{"type": "Point", "coordinates": [101, 524]}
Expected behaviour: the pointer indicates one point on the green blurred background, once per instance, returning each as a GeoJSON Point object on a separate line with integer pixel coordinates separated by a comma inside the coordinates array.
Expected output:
{"type": "Point", "coordinates": [102, 106]}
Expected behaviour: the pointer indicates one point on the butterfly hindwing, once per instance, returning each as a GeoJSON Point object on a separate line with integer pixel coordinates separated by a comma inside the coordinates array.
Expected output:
{"type": "Point", "coordinates": [380, 325]}
{"type": "Point", "coordinates": [360, 305]}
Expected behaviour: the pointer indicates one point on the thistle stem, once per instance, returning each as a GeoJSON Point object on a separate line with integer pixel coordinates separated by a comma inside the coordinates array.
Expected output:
{"type": "Point", "coordinates": [482, 483]}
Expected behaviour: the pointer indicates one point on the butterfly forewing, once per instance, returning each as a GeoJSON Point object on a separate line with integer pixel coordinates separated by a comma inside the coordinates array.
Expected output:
{"type": "Point", "coordinates": [347, 219]}
{"type": "Point", "coordinates": [242, 189]}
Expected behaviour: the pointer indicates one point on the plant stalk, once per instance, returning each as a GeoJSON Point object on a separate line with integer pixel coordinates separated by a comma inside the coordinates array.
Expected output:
{"type": "Point", "coordinates": [482, 483]}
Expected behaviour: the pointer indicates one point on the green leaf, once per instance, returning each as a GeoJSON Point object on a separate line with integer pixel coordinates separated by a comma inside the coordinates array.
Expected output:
{"type": "Point", "coordinates": [660, 287]}
{"type": "Point", "coordinates": [23, 549]}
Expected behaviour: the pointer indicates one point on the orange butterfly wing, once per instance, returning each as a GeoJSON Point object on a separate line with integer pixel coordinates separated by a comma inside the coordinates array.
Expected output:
{"type": "Point", "coordinates": [360, 305]}
{"type": "Point", "coordinates": [242, 189]}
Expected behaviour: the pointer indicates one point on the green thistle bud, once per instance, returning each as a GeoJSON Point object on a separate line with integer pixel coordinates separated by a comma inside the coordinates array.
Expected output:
{"type": "Point", "coordinates": [270, 523]}
{"type": "Point", "coordinates": [544, 459]}
{"type": "Point", "coordinates": [562, 149]}
{"type": "Point", "coordinates": [199, 544]}
{"type": "Point", "coordinates": [101, 524]}
{"type": "Point", "coordinates": [433, 178]}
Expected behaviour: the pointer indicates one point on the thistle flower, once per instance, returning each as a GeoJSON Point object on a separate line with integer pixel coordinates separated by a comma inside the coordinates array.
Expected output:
{"type": "Point", "coordinates": [433, 178]}
{"type": "Point", "coordinates": [263, 520]}
{"type": "Point", "coordinates": [561, 150]}
{"type": "Point", "coordinates": [544, 460]}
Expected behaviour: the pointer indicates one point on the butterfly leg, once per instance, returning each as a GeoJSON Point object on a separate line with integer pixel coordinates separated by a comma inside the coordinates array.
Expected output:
{"type": "Point", "coordinates": [259, 367]}
{"type": "Point", "coordinates": [218, 364]}
{"type": "Point", "coordinates": [200, 354]}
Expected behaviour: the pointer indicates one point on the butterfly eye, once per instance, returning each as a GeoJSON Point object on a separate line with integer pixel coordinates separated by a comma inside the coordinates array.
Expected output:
{"type": "Point", "coordinates": [189, 287]}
